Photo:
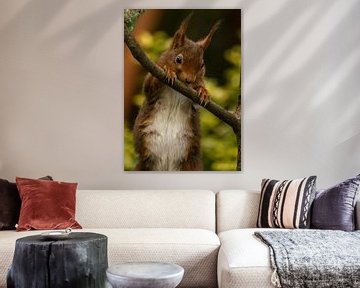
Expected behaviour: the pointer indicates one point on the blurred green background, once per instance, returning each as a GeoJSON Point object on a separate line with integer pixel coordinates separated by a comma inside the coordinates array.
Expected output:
{"type": "Point", "coordinates": [223, 73]}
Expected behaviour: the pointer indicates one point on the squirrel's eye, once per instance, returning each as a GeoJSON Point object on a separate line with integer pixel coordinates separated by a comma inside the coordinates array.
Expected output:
{"type": "Point", "coordinates": [179, 59]}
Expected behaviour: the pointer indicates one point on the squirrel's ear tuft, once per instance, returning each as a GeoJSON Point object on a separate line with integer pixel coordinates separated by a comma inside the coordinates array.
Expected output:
{"type": "Point", "coordinates": [204, 43]}
{"type": "Point", "coordinates": [179, 37]}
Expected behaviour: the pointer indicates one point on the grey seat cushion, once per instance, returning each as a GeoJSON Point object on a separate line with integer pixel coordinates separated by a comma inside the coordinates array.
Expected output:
{"type": "Point", "coordinates": [244, 261]}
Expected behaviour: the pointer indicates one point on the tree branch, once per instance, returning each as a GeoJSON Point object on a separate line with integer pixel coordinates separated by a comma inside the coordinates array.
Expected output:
{"type": "Point", "coordinates": [230, 118]}
{"type": "Point", "coordinates": [131, 16]}
{"type": "Point", "coordinates": [238, 133]}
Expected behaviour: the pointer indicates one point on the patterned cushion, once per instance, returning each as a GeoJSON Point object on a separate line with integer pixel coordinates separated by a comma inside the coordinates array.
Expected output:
{"type": "Point", "coordinates": [286, 204]}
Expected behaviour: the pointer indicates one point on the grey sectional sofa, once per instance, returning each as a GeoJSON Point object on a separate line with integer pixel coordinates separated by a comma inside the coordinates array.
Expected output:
{"type": "Point", "coordinates": [210, 235]}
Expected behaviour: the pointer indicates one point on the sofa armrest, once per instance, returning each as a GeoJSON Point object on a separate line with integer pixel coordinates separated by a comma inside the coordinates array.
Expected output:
{"type": "Point", "coordinates": [357, 215]}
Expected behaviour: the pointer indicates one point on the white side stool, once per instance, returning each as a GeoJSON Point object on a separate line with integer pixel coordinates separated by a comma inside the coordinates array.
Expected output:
{"type": "Point", "coordinates": [145, 275]}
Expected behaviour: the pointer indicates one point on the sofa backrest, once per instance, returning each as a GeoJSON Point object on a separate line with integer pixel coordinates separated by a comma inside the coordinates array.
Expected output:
{"type": "Point", "coordinates": [239, 209]}
{"type": "Point", "coordinates": [236, 209]}
{"type": "Point", "coordinates": [146, 209]}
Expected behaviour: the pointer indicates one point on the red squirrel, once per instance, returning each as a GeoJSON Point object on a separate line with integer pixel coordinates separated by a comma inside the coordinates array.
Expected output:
{"type": "Point", "coordinates": [167, 127]}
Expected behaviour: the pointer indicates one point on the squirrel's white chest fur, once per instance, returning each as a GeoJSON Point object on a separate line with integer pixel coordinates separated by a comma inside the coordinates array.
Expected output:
{"type": "Point", "coordinates": [170, 126]}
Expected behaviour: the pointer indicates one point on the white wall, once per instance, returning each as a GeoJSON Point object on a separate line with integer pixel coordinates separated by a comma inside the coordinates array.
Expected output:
{"type": "Point", "coordinates": [61, 92]}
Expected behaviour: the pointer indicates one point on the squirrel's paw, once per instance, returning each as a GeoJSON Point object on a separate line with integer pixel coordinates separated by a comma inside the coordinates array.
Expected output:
{"type": "Point", "coordinates": [170, 74]}
{"type": "Point", "coordinates": [203, 94]}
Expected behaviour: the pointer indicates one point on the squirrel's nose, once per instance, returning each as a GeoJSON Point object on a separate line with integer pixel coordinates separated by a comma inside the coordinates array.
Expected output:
{"type": "Point", "coordinates": [189, 80]}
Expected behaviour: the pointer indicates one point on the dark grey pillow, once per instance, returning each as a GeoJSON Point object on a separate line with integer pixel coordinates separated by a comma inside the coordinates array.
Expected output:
{"type": "Point", "coordinates": [334, 208]}
{"type": "Point", "coordinates": [9, 205]}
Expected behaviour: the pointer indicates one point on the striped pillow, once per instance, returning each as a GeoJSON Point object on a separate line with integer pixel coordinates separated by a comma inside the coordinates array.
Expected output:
{"type": "Point", "coordinates": [286, 204]}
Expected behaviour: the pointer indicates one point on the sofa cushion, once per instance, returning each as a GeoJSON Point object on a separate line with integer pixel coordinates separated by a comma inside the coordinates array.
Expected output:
{"type": "Point", "coordinates": [244, 261]}
{"type": "Point", "coordinates": [153, 209]}
{"type": "Point", "coordinates": [194, 249]}
{"type": "Point", "coordinates": [286, 204]}
{"type": "Point", "coordinates": [334, 208]}
{"type": "Point", "coordinates": [46, 204]}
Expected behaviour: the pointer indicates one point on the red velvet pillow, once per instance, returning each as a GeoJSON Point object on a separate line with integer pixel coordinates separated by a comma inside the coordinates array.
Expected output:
{"type": "Point", "coordinates": [46, 204]}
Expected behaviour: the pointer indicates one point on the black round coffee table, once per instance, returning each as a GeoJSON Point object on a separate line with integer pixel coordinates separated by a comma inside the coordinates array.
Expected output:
{"type": "Point", "coordinates": [79, 260]}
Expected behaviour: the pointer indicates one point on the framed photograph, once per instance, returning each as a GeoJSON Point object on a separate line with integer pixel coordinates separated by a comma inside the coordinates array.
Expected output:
{"type": "Point", "coordinates": [169, 127]}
